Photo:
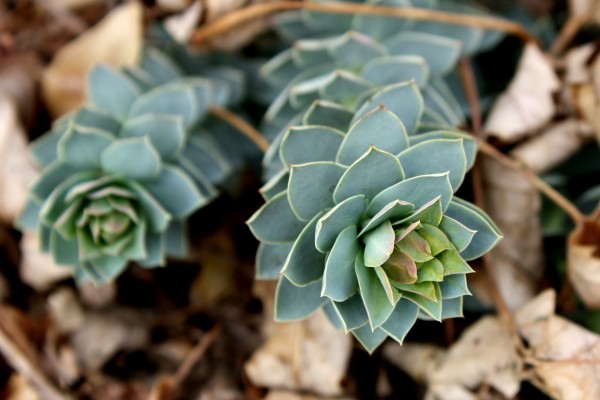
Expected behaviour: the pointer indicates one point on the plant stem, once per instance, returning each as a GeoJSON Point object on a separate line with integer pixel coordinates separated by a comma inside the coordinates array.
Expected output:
{"type": "Point", "coordinates": [242, 126]}
{"type": "Point", "coordinates": [577, 216]}
{"type": "Point", "coordinates": [234, 19]}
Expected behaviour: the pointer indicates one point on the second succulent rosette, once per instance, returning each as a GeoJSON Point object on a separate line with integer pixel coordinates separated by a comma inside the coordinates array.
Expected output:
{"type": "Point", "coordinates": [364, 223]}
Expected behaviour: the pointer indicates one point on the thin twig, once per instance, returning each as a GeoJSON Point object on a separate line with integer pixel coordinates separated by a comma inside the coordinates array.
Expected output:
{"type": "Point", "coordinates": [196, 354]}
{"type": "Point", "coordinates": [245, 128]}
{"type": "Point", "coordinates": [472, 93]}
{"type": "Point", "coordinates": [570, 29]}
{"type": "Point", "coordinates": [21, 363]}
{"type": "Point", "coordinates": [577, 216]}
{"type": "Point", "coordinates": [234, 19]}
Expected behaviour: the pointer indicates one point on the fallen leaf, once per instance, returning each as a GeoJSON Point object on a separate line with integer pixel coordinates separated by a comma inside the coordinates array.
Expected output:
{"type": "Point", "coordinates": [65, 311]}
{"type": "Point", "coordinates": [554, 145]}
{"type": "Point", "coordinates": [284, 395]}
{"type": "Point", "coordinates": [181, 26]}
{"type": "Point", "coordinates": [37, 269]}
{"type": "Point", "coordinates": [16, 169]}
{"type": "Point", "coordinates": [577, 68]}
{"type": "Point", "coordinates": [483, 355]}
{"type": "Point", "coordinates": [514, 204]}
{"type": "Point", "coordinates": [585, 8]}
{"type": "Point", "coordinates": [564, 356]}
{"type": "Point", "coordinates": [18, 388]}
{"type": "Point", "coordinates": [528, 102]}
{"type": "Point", "coordinates": [116, 40]}
{"type": "Point", "coordinates": [172, 5]}
{"type": "Point", "coordinates": [588, 105]}
{"type": "Point", "coordinates": [583, 261]}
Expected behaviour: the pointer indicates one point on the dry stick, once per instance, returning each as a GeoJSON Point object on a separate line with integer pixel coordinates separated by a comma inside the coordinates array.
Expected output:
{"type": "Point", "coordinates": [577, 216]}
{"type": "Point", "coordinates": [245, 128]}
{"type": "Point", "coordinates": [27, 369]}
{"type": "Point", "coordinates": [234, 19]}
{"type": "Point", "coordinates": [195, 355]}
{"type": "Point", "coordinates": [470, 86]}
{"type": "Point", "coordinates": [570, 29]}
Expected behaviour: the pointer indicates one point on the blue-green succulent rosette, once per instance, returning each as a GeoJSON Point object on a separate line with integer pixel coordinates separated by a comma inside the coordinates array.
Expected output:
{"type": "Point", "coordinates": [364, 224]}
{"type": "Point", "coordinates": [122, 174]}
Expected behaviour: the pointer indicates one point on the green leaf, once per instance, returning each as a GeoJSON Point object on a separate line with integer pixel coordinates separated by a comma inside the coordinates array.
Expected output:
{"type": "Point", "coordinates": [437, 240]}
{"type": "Point", "coordinates": [159, 66]}
{"type": "Point", "coordinates": [434, 157]}
{"type": "Point", "coordinates": [136, 250]}
{"type": "Point", "coordinates": [93, 118]}
{"type": "Point", "coordinates": [352, 50]}
{"type": "Point", "coordinates": [206, 155]}
{"type": "Point", "coordinates": [108, 267]}
{"type": "Point", "coordinates": [339, 278]}
{"type": "Point", "coordinates": [173, 99]}
{"type": "Point", "coordinates": [441, 53]}
{"type": "Point", "coordinates": [306, 144]}
{"type": "Point", "coordinates": [369, 339]}
{"type": "Point", "coordinates": [418, 190]}
{"type": "Point", "coordinates": [44, 150]}
{"type": "Point", "coordinates": [275, 185]}
{"type": "Point", "coordinates": [400, 268]}
{"type": "Point", "coordinates": [293, 303]}
{"type": "Point", "coordinates": [454, 286]}
{"type": "Point", "coordinates": [176, 192]}
{"type": "Point", "coordinates": [379, 244]}
{"type": "Point", "coordinates": [332, 315]}
{"type": "Point", "coordinates": [166, 132]}
{"type": "Point", "coordinates": [416, 247]}
{"type": "Point", "coordinates": [155, 244]}
{"type": "Point", "coordinates": [469, 144]}
{"type": "Point", "coordinates": [401, 320]}
{"type": "Point", "coordinates": [176, 239]}
{"type": "Point", "coordinates": [379, 128]}
{"type": "Point", "coordinates": [402, 99]}
{"type": "Point", "coordinates": [326, 113]}
{"type": "Point", "coordinates": [373, 294]}
{"type": "Point", "coordinates": [81, 147]}
{"type": "Point", "coordinates": [29, 217]}
{"type": "Point", "coordinates": [51, 177]}
{"type": "Point", "coordinates": [117, 159]}
{"type": "Point", "coordinates": [487, 233]}
{"type": "Point", "coordinates": [431, 271]}
{"type": "Point", "coordinates": [308, 52]}
{"type": "Point", "coordinates": [430, 213]}
{"type": "Point", "coordinates": [370, 174]}
{"type": "Point", "coordinates": [347, 213]}
{"type": "Point", "coordinates": [111, 90]}
{"type": "Point", "coordinates": [392, 293]}
{"type": "Point", "coordinates": [275, 222]}
{"type": "Point", "coordinates": [425, 289]}
{"type": "Point", "coordinates": [459, 235]}
{"type": "Point", "coordinates": [270, 259]}
{"type": "Point", "coordinates": [279, 70]}
{"type": "Point", "coordinates": [343, 87]}
{"type": "Point", "coordinates": [158, 217]}
{"type": "Point", "coordinates": [393, 69]}
{"type": "Point", "coordinates": [305, 264]}
{"type": "Point", "coordinates": [352, 312]}
{"type": "Point", "coordinates": [431, 308]}
{"type": "Point", "coordinates": [64, 251]}
{"type": "Point", "coordinates": [396, 209]}
{"type": "Point", "coordinates": [311, 186]}
{"type": "Point", "coordinates": [452, 308]}
{"type": "Point", "coordinates": [203, 184]}
{"type": "Point", "coordinates": [454, 263]}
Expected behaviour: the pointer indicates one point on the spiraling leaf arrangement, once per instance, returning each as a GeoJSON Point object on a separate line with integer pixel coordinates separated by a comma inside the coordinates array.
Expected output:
{"type": "Point", "coordinates": [122, 173]}
{"type": "Point", "coordinates": [365, 225]}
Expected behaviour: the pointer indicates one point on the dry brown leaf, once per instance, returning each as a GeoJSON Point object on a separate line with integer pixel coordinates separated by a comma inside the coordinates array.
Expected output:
{"type": "Point", "coordinates": [576, 60]}
{"type": "Point", "coordinates": [565, 356]}
{"type": "Point", "coordinates": [528, 102]}
{"type": "Point", "coordinates": [484, 355]}
{"type": "Point", "coordinates": [73, 4]}
{"type": "Point", "coordinates": [116, 40]}
{"type": "Point", "coordinates": [18, 388]}
{"type": "Point", "coordinates": [583, 8]}
{"type": "Point", "coordinates": [514, 204]}
{"type": "Point", "coordinates": [65, 311]}
{"type": "Point", "coordinates": [181, 26]}
{"type": "Point", "coordinates": [588, 105]}
{"type": "Point", "coordinates": [173, 5]}
{"type": "Point", "coordinates": [16, 169]}
{"type": "Point", "coordinates": [309, 355]}
{"type": "Point", "coordinates": [583, 261]}
{"type": "Point", "coordinates": [554, 145]}
{"type": "Point", "coordinates": [37, 269]}
{"type": "Point", "coordinates": [283, 395]}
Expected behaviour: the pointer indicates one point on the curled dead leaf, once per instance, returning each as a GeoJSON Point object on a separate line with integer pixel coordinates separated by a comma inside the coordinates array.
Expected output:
{"type": "Point", "coordinates": [528, 102]}
{"type": "Point", "coordinates": [116, 40]}
{"type": "Point", "coordinates": [583, 259]}
{"type": "Point", "coordinates": [37, 269]}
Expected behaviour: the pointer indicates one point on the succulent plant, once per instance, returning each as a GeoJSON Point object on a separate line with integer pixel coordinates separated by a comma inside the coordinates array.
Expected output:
{"type": "Point", "coordinates": [364, 222]}
{"type": "Point", "coordinates": [122, 173]}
